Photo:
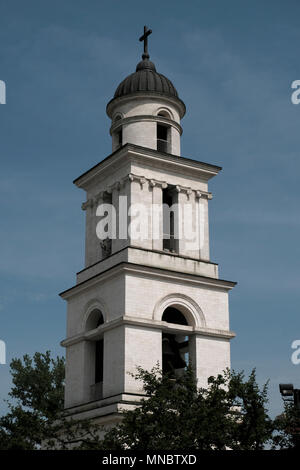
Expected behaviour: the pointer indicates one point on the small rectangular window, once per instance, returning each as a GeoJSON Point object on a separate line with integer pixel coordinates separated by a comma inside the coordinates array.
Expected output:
{"type": "Point", "coordinates": [162, 138]}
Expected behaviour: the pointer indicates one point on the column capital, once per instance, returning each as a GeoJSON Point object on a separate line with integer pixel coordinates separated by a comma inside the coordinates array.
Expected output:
{"type": "Point", "coordinates": [86, 204]}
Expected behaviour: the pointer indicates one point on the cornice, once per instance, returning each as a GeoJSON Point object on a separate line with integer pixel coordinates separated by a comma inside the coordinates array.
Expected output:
{"type": "Point", "coordinates": [154, 157]}
{"type": "Point", "coordinates": [149, 271]}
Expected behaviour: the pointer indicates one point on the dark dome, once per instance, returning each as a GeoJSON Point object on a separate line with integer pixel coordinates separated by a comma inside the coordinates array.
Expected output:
{"type": "Point", "coordinates": [147, 79]}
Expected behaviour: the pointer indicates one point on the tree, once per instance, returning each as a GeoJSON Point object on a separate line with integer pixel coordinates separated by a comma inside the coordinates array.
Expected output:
{"type": "Point", "coordinates": [230, 413]}
{"type": "Point", "coordinates": [35, 415]}
{"type": "Point", "coordinates": [287, 426]}
{"type": "Point", "coordinates": [37, 394]}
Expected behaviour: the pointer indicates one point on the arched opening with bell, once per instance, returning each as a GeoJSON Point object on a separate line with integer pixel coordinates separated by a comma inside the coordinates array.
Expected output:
{"type": "Point", "coordinates": [175, 346]}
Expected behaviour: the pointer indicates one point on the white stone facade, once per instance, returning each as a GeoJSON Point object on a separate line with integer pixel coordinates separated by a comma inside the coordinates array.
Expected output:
{"type": "Point", "coordinates": [135, 284]}
{"type": "Point", "coordinates": [138, 117]}
{"type": "Point", "coordinates": [148, 290]}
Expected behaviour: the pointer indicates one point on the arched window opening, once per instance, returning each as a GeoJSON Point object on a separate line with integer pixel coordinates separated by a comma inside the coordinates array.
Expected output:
{"type": "Point", "coordinates": [175, 347]}
{"type": "Point", "coordinates": [164, 113]}
{"type": "Point", "coordinates": [95, 320]}
{"type": "Point", "coordinates": [173, 315]}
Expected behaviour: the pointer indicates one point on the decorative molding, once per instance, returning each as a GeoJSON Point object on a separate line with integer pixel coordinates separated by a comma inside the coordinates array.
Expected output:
{"type": "Point", "coordinates": [142, 180]}
{"type": "Point", "coordinates": [204, 194]}
{"type": "Point", "coordinates": [145, 118]}
{"type": "Point", "coordinates": [159, 184]}
{"type": "Point", "coordinates": [139, 179]}
{"type": "Point", "coordinates": [185, 190]}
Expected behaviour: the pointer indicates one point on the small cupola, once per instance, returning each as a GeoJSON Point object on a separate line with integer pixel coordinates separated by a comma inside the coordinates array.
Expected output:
{"type": "Point", "coordinates": [146, 109]}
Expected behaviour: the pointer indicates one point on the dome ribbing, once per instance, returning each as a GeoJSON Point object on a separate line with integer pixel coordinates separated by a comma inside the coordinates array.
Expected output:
{"type": "Point", "coordinates": [146, 78]}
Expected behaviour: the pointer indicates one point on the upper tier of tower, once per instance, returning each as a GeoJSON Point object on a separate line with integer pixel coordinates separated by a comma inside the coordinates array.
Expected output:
{"type": "Point", "coordinates": [146, 110]}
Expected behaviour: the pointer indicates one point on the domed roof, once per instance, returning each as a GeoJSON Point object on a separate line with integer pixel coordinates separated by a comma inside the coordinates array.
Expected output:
{"type": "Point", "coordinates": [146, 78]}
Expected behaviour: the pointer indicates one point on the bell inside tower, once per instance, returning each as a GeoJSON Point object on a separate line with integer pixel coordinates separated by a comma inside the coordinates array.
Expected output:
{"type": "Point", "coordinates": [175, 347]}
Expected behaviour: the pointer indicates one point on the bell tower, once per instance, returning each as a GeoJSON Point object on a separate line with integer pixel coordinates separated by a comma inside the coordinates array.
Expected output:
{"type": "Point", "coordinates": [149, 292]}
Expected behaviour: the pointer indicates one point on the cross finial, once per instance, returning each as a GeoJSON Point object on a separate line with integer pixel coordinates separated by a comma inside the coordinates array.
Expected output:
{"type": "Point", "coordinates": [144, 38]}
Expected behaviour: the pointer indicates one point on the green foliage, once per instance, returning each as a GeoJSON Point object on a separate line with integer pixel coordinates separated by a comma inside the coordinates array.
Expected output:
{"type": "Point", "coordinates": [230, 413]}
{"type": "Point", "coordinates": [39, 383]}
{"type": "Point", "coordinates": [253, 428]}
{"type": "Point", "coordinates": [287, 426]}
{"type": "Point", "coordinates": [35, 413]}
{"type": "Point", "coordinates": [37, 398]}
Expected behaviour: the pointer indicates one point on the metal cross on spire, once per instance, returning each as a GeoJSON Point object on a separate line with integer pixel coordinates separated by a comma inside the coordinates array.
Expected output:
{"type": "Point", "coordinates": [144, 38]}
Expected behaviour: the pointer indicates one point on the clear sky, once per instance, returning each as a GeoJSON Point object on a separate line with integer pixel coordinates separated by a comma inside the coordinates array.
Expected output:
{"type": "Point", "coordinates": [233, 64]}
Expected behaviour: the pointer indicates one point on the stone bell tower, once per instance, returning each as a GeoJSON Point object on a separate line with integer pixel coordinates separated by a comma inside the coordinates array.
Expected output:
{"type": "Point", "coordinates": [148, 293]}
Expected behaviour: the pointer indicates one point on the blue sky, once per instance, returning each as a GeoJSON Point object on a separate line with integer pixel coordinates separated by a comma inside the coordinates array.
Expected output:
{"type": "Point", "coordinates": [233, 64]}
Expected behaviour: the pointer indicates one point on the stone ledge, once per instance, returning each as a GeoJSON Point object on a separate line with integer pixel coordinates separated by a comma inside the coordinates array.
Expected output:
{"type": "Point", "coordinates": [105, 407]}
{"type": "Point", "coordinates": [152, 258]}
{"type": "Point", "coordinates": [148, 271]}
{"type": "Point", "coordinates": [93, 335]}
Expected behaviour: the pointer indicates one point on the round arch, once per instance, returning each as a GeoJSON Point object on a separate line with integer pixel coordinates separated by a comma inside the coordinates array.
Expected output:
{"type": "Point", "coordinates": [187, 306]}
{"type": "Point", "coordinates": [164, 112]}
{"type": "Point", "coordinates": [117, 117]}
{"type": "Point", "coordinates": [91, 317]}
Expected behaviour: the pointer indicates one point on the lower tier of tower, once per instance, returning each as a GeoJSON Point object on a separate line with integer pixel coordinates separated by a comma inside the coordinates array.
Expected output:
{"type": "Point", "coordinates": [148, 316]}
